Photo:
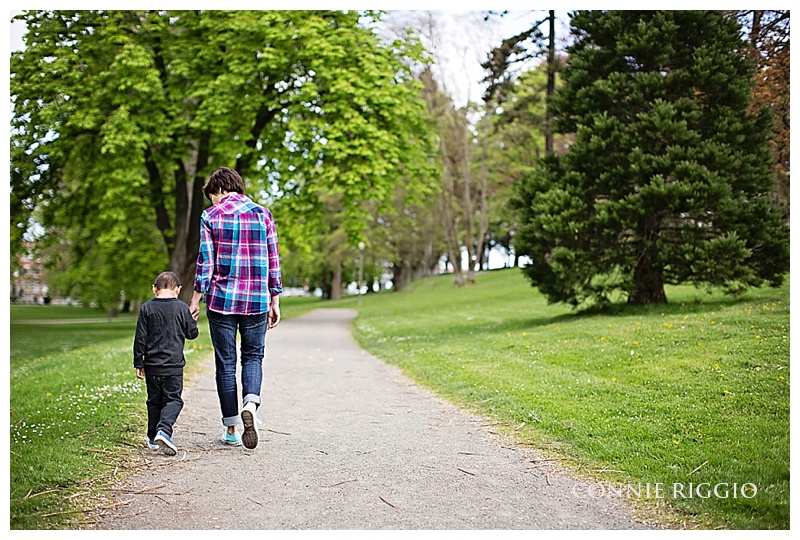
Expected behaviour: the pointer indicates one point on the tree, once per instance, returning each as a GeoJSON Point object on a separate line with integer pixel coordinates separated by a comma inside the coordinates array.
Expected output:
{"type": "Point", "coordinates": [119, 117]}
{"type": "Point", "coordinates": [668, 179]}
{"type": "Point", "coordinates": [769, 39]}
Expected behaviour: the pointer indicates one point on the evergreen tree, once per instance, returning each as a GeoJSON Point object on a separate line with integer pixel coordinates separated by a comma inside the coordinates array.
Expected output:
{"type": "Point", "coordinates": [668, 179]}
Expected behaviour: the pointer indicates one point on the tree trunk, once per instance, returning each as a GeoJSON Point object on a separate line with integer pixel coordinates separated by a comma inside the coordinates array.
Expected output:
{"type": "Point", "coordinates": [551, 84]}
{"type": "Point", "coordinates": [336, 284]}
{"type": "Point", "coordinates": [648, 281]}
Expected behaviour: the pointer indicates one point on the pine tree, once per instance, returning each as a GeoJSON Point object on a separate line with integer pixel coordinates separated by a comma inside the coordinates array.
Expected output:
{"type": "Point", "coordinates": [668, 179]}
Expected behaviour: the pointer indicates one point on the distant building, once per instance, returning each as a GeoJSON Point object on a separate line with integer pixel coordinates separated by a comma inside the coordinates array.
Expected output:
{"type": "Point", "coordinates": [27, 286]}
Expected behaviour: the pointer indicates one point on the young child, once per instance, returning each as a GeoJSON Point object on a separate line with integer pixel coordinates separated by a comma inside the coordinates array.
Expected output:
{"type": "Point", "coordinates": [163, 326]}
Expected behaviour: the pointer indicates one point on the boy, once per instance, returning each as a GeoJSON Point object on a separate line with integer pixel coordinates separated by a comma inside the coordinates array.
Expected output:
{"type": "Point", "coordinates": [163, 326]}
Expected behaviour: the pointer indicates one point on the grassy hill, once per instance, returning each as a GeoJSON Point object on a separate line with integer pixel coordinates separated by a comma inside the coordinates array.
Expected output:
{"type": "Point", "coordinates": [692, 392]}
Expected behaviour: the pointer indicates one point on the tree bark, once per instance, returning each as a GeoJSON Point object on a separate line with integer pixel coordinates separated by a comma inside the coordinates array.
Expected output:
{"type": "Point", "coordinates": [648, 275]}
{"type": "Point", "coordinates": [551, 84]}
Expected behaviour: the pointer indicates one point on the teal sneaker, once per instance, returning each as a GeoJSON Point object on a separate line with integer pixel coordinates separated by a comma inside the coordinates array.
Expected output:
{"type": "Point", "coordinates": [231, 440]}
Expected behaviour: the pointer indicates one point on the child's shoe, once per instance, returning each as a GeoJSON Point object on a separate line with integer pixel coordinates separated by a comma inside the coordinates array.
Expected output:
{"type": "Point", "coordinates": [233, 439]}
{"type": "Point", "coordinates": [165, 443]}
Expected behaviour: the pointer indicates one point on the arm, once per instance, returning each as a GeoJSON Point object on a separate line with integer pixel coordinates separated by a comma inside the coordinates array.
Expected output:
{"type": "Point", "coordinates": [140, 343]}
{"type": "Point", "coordinates": [275, 280]}
{"type": "Point", "coordinates": [205, 267]}
{"type": "Point", "coordinates": [274, 316]}
{"type": "Point", "coordinates": [194, 306]}
{"type": "Point", "coordinates": [190, 323]}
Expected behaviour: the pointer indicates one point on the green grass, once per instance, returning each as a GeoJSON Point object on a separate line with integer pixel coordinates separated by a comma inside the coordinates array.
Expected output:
{"type": "Point", "coordinates": [51, 312]}
{"type": "Point", "coordinates": [693, 391]}
{"type": "Point", "coordinates": [77, 414]}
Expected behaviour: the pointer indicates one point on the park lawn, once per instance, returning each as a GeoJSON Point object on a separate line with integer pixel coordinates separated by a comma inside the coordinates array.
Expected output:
{"type": "Point", "coordinates": [695, 391]}
{"type": "Point", "coordinates": [77, 415]}
{"type": "Point", "coordinates": [60, 311]}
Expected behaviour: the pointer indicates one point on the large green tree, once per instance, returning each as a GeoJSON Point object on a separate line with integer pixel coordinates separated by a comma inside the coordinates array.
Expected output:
{"type": "Point", "coordinates": [668, 179]}
{"type": "Point", "coordinates": [119, 117]}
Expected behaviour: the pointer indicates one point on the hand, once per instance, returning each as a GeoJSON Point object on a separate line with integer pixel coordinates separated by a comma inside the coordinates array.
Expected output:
{"type": "Point", "coordinates": [140, 373]}
{"type": "Point", "coordinates": [194, 305]}
{"type": "Point", "coordinates": [194, 310]}
{"type": "Point", "coordinates": [274, 315]}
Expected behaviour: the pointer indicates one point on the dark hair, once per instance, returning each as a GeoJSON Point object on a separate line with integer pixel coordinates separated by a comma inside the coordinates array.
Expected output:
{"type": "Point", "coordinates": [167, 280]}
{"type": "Point", "coordinates": [222, 180]}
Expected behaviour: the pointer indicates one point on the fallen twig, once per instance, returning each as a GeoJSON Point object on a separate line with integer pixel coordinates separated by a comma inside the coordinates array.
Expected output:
{"type": "Point", "coordinates": [255, 501]}
{"type": "Point", "coordinates": [698, 467]}
{"type": "Point", "coordinates": [387, 502]}
{"type": "Point", "coordinates": [29, 496]}
{"type": "Point", "coordinates": [340, 483]}
{"type": "Point", "coordinates": [144, 490]}
{"type": "Point", "coordinates": [112, 505]}
{"type": "Point", "coordinates": [278, 432]}
{"type": "Point", "coordinates": [96, 450]}
{"type": "Point", "coordinates": [61, 513]}
{"type": "Point", "coordinates": [467, 472]}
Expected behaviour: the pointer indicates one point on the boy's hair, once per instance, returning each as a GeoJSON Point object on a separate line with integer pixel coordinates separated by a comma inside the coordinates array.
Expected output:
{"type": "Point", "coordinates": [167, 280]}
{"type": "Point", "coordinates": [222, 180]}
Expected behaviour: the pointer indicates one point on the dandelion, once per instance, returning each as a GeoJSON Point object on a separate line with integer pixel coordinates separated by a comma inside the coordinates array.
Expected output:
{"type": "Point", "coordinates": [758, 368]}
{"type": "Point", "coordinates": [524, 334]}
{"type": "Point", "coordinates": [676, 443]}
{"type": "Point", "coordinates": [725, 392]}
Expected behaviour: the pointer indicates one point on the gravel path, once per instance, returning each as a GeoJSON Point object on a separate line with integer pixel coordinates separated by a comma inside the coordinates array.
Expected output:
{"type": "Point", "coordinates": [348, 442]}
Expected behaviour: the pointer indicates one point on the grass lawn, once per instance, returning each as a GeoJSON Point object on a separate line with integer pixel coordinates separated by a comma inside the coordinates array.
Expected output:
{"type": "Point", "coordinates": [695, 391]}
{"type": "Point", "coordinates": [77, 414]}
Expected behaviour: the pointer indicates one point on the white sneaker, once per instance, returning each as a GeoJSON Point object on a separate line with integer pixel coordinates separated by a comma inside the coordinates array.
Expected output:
{"type": "Point", "coordinates": [249, 419]}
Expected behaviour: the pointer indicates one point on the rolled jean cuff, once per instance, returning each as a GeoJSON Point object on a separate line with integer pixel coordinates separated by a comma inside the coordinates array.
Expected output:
{"type": "Point", "coordinates": [229, 421]}
{"type": "Point", "coordinates": [254, 398]}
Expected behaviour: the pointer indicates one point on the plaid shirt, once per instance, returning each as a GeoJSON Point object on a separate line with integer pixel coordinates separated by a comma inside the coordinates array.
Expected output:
{"type": "Point", "coordinates": [238, 267]}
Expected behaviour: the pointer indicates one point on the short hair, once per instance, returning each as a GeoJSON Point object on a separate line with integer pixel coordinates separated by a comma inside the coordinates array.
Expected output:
{"type": "Point", "coordinates": [222, 180]}
{"type": "Point", "coordinates": [167, 280]}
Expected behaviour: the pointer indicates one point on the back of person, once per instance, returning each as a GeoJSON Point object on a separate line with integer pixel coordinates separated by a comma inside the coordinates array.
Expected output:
{"type": "Point", "coordinates": [239, 276]}
{"type": "Point", "coordinates": [169, 325]}
{"type": "Point", "coordinates": [240, 279]}
{"type": "Point", "coordinates": [163, 326]}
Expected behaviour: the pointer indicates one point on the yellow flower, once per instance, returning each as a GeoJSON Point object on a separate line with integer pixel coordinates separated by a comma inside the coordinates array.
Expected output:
{"type": "Point", "coordinates": [48, 394]}
{"type": "Point", "coordinates": [675, 442]}
{"type": "Point", "coordinates": [725, 392]}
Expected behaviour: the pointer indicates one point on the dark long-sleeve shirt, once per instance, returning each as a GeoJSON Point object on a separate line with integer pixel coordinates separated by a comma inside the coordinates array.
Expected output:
{"type": "Point", "coordinates": [163, 327]}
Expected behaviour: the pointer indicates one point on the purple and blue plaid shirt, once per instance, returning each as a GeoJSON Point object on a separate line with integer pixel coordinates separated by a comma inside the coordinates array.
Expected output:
{"type": "Point", "coordinates": [238, 267]}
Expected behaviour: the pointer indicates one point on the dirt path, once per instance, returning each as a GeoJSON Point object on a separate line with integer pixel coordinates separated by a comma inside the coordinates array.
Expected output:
{"type": "Point", "coordinates": [348, 442]}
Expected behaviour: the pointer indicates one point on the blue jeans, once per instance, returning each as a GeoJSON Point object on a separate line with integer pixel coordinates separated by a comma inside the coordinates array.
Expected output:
{"type": "Point", "coordinates": [253, 331]}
